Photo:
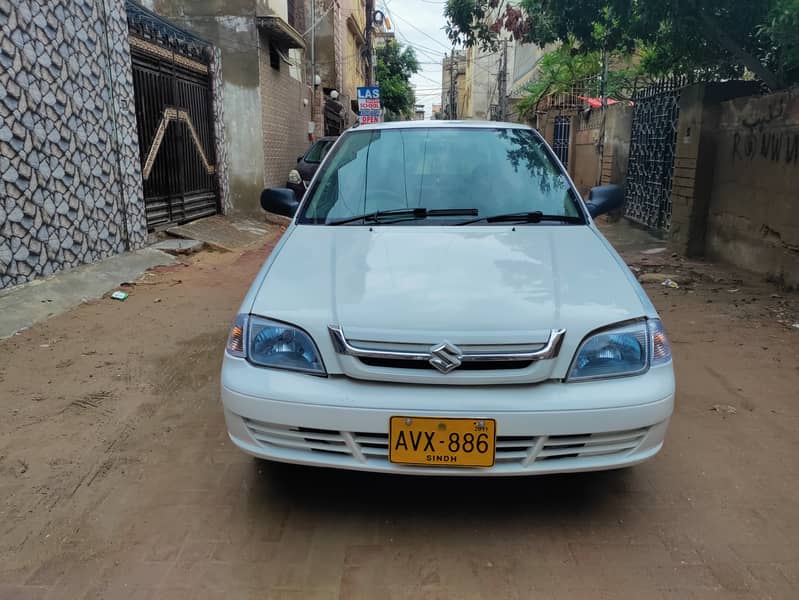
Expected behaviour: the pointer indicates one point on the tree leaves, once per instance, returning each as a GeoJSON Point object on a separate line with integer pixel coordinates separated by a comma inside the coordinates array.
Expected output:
{"type": "Point", "coordinates": [395, 65]}
{"type": "Point", "coordinates": [701, 38]}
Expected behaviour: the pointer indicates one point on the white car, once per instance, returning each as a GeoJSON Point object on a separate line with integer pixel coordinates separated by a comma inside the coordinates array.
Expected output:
{"type": "Point", "coordinates": [442, 303]}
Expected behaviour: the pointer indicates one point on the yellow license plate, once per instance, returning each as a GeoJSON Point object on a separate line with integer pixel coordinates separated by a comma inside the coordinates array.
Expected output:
{"type": "Point", "coordinates": [442, 442]}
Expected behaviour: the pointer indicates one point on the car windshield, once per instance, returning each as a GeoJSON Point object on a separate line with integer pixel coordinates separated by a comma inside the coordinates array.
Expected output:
{"type": "Point", "coordinates": [493, 170]}
{"type": "Point", "coordinates": [318, 151]}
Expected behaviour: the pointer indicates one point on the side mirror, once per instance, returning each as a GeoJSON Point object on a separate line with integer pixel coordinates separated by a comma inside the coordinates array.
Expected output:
{"type": "Point", "coordinates": [604, 199]}
{"type": "Point", "coordinates": [299, 158]}
{"type": "Point", "coordinates": [280, 201]}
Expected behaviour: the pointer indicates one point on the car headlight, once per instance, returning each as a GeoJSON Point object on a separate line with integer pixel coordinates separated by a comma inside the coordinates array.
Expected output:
{"type": "Point", "coordinates": [621, 351]}
{"type": "Point", "coordinates": [272, 344]}
{"type": "Point", "coordinates": [294, 177]}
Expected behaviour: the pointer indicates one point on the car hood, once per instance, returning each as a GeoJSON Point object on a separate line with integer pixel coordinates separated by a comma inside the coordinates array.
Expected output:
{"type": "Point", "coordinates": [469, 285]}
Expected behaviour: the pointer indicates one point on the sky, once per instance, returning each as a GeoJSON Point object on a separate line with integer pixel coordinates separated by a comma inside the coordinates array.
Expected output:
{"type": "Point", "coordinates": [420, 23]}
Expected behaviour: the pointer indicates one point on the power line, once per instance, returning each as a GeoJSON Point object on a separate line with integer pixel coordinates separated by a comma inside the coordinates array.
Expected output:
{"type": "Point", "coordinates": [396, 16]}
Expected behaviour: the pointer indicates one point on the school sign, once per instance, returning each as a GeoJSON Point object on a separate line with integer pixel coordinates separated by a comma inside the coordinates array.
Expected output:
{"type": "Point", "coordinates": [369, 109]}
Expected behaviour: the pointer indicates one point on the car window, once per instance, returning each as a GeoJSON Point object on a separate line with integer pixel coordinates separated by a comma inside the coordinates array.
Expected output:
{"type": "Point", "coordinates": [496, 171]}
{"type": "Point", "coordinates": [318, 151]}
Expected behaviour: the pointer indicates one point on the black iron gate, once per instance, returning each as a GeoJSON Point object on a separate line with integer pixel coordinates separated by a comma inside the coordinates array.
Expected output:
{"type": "Point", "coordinates": [172, 87]}
{"type": "Point", "coordinates": [561, 138]}
{"type": "Point", "coordinates": [652, 146]}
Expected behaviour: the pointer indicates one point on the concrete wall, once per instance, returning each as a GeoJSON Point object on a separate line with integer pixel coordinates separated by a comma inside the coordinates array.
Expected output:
{"type": "Point", "coordinates": [354, 66]}
{"type": "Point", "coordinates": [584, 154]}
{"type": "Point", "coordinates": [617, 143]}
{"type": "Point", "coordinates": [283, 116]}
{"type": "Point", "coordinates": [481, 87]}
{"type": "Point", "coordinates": [70, 180]}
{"type": "Point", "coordinates": [230, 26]}
{"type": "Point", "coordinates": [753, 217]}
{"type": "Point", "coordinates": [584, 165]}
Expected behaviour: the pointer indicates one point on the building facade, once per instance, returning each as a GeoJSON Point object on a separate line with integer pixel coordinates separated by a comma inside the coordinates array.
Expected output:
{"type": "Point", "coordinates": [340, 44]}
{"type": "Point", "coordinates": [69, 172]}
{"type": "Point", "coordinates": [453, 85]}
{"type": "Point", "coordinates": [266, 93]}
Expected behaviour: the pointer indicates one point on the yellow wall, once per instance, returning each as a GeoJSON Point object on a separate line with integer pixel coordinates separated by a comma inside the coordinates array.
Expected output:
{"type": "Point", "coordinates": [354, 67]}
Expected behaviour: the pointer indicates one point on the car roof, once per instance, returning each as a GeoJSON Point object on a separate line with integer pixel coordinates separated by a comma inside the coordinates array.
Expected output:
{"type": "Point", "coordinates": [432, 124]}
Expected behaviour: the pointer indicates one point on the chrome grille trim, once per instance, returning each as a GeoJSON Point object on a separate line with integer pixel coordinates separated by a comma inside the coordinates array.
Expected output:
{"type": "Point", "coordinates": [550, 349]}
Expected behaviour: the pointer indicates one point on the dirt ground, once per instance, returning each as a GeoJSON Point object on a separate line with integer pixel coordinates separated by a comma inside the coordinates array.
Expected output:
{"type": "Point", "coordinates": [117, 479]}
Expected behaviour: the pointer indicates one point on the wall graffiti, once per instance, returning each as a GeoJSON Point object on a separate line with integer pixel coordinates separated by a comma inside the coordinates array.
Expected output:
{"type": "Point", "coordinates": [774, 146]}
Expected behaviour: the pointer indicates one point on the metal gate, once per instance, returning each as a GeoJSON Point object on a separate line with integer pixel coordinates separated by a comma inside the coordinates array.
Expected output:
{"type": "Point", "coordinates": [560, 139]}
{"type": "Point", "coordinates": [652, 145]}
{"type": "Point", "coordinates": [172, 87]}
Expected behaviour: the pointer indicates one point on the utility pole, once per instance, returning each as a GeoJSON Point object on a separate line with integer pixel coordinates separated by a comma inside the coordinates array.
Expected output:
{"type": "Point", "coordinates": [453, 106]}
{"type": "Point", "coordinates": [313, 48]}
{"type": "Point", "coordinates": [603, 94]}
{"type": "Point", "coordinates": [370, 57]}
{"type": "Point", "coordinates": [503, 83]}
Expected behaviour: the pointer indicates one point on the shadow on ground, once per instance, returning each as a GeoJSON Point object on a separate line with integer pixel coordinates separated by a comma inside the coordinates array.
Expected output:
{"type": "Point", "coordinates": [329, 491]}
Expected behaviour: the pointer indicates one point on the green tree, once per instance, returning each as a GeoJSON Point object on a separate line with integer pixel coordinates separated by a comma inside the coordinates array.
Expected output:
{"type": "Point", "coordinates": [705, 38]}
{"type": "Point", "coordinates": [395, 65]}
{"type": "Point", "coordinates": [568, 69]}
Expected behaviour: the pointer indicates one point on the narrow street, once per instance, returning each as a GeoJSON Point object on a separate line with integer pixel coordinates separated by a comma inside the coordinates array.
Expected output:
{"type": "Point", "coordinates": [117, 479]}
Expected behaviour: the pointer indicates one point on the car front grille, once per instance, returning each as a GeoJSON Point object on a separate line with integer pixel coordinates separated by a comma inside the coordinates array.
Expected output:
{"type": "Point", "coordinates": [483, 365]}
{"type": "Point", "coordinates": [523, 450]}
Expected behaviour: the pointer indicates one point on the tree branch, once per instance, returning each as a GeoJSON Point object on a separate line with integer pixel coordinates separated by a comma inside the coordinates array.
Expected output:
{"type": "Point", "coordinates": [747, 60]}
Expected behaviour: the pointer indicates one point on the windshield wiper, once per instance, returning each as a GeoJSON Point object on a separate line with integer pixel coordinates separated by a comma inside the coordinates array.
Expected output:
{"type": "Point", "coordinates": [525, 217]}
{"type": "Point", "coordinates": [408, 213]}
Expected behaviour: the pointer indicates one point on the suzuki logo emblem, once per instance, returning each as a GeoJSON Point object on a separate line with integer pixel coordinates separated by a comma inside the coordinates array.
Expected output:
{"type": "Point", "coordinates": [445, 357]}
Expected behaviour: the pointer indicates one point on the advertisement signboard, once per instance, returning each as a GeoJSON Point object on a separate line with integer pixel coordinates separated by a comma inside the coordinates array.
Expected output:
{"type": "Point", "coordinates": [369, 109]}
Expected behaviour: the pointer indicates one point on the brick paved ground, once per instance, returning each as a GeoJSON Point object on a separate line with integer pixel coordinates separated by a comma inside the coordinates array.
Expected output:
{"type": "Point", "coordinates": [117, 480]}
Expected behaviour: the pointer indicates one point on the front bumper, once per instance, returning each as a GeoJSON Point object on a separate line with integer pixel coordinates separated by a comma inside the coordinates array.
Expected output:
{"type": "Point", "coordinates": [544, 428]}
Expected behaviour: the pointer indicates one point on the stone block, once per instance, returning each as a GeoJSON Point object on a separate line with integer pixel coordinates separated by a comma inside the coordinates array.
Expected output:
{"type": "Point", "coordinates": [15, 216]}
{"type": "Point", "coordinates": [18, 129]}
{"type": "Point", "coordinates": [29, 51]}
{"type": "Point", "coordinates": [35, 93]}
{"type": "Point", "coordinates": [21, 253]}
{"type": "Point", "coordinates": [39, 134]}
{"type": "Point", "coordinates": [10, 174]}
{"type": "Point", "coordinates": [12, 89]}
{"type": "Point", "coordinates": [17, 145]}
